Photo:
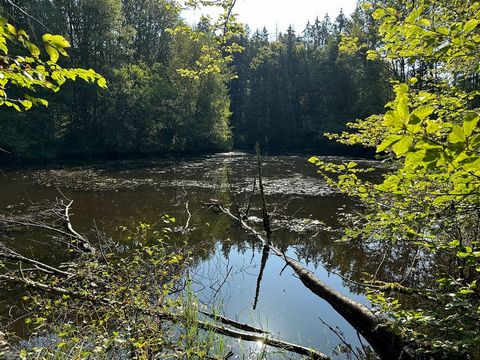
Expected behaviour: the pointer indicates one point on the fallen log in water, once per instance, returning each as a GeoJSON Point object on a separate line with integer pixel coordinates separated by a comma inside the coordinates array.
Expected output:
{"type": "Point", "coordinates": [220, 325]}
{"type": "Point", "coordinates": [372, 327]}
{"type": "Point", "coordinates": [246, 332]}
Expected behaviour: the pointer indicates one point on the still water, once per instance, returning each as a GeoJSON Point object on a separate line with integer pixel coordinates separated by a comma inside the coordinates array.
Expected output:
{"type": "Point", "coordinates": [226, 262]}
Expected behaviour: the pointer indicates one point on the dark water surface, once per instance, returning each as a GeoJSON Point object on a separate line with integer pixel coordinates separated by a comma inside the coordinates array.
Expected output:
{"type": "Point", "coordinates": [305, 220]}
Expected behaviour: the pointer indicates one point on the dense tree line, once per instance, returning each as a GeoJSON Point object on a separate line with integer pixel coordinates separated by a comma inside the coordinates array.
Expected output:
{"type": "Point", "coordinates": [292, 89]}
{"type": "Point", "coordinates": [288, 92]}
{"type": "Point", "coordinates": [148, 107]}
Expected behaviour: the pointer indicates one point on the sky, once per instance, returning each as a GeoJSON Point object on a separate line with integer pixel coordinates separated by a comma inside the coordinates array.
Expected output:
{"type": "Point", "coordinates": [279, 14]}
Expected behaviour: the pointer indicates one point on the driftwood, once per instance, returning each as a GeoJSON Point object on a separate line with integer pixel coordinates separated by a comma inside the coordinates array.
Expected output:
{"type": "Point", "coordinates": [385, 343]}
{"type": "Point", "coordinates": [220, 325]}
{"type": "Point", "coordinates": [248, 332]}
{"type": "Point", "coordinates": [61, 211]}
{"type": "Point", "coordinates": [84, 243]}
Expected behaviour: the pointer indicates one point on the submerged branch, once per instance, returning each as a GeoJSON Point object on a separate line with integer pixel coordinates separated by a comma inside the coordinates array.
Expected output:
{"type": "Point", "coordinates": [9, 254]}
{"type": "Point", "coordinates": [83, 240]}
{"type": "Point", "coordinates": [249, 334]}
{"type": "Point", "coordinates": [373, 328]}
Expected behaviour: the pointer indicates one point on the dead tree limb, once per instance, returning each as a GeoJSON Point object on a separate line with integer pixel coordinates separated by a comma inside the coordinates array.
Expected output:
{"type": "Point", "coordinates": [187, 223]}
{"type": "Point", "coordinates": [235, 324]}
{"type": "Point", "coordinates": [279, 344]}
{"type": "Point", "coordinates": [26, 223]}
{"type": "Point", "coordinates": [82, 239]}
{"type": "Point", "coordinates": [9, 254]}
{"type": "Point", "coordinates": [208, 326]}
{"type": "Point", "coordinates": [61, 212]}
{"type": "Point", "coordinates": [29, 283]}
{"type": "Point", "coordinates": [387, 344]}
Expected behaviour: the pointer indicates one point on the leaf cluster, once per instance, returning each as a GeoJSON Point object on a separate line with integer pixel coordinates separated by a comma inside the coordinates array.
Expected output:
{"type": "Point", "coordinates": [428, 197]}
{"type": "Point", "coordinates": [23, 70]}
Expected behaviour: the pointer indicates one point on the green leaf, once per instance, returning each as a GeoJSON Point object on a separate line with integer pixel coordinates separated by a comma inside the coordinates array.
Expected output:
{"type": "Point", "coordinates": [432, 126]}
{"type": "Point", "coordinates": [372, 55]}
{"type": "Point", "coordinates": [34, 50]}
{"type": "Point", "coordinates": [424, 22]}
{"type": "Point", "coordinates": [391, 118]}
{"type": "Point", "coordinates": [470, 123]}
{"type": "Point", "coordinates": [470, 25]}
{"type": "Point", "coordinates": [466, 252]}
{"type": "Point", "coordinates": [402, 111]}
{"type": "Point", "coordinates": [388, 142]}
{"type": "Point", "coordinates": [102, 82]}
{"type": "Point", "coordinates": [27, 104]}
{"type": "Point", "coordinates": [54, 55]}
{"type": "Point", "coordinates": [443, 30]}
{"type": "Point", "coordinates": [402, 146]}
{"type": "Point", "coordinates": [423, 111]}
{"type": "Point", "coordinates": [11, 29]}
{"type": "Point", "coordinates": [454, 243]}
{"type": "Point", "coordinates": [401, 89]}
{"type": "Point", "coordinates": [313, 160]}
{"type": "Point", "coordinates": [378, 14]}
{"type": "Point", "coordinates": [414, 159]}
{"type": "Point", "coordinates": [457, 135]}
{"type": "Point", "coordinates": [57, 41]}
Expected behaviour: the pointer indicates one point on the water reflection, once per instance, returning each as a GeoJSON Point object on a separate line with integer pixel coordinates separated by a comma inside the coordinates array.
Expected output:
{"type": "Point", "coordinates": [263, 264]}
{"type": "Point", "coordinates": [229, 268]}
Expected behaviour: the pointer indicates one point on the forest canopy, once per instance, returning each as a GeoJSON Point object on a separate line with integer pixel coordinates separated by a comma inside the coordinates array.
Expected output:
{"type": "Point", "coordinates": [287, 88]}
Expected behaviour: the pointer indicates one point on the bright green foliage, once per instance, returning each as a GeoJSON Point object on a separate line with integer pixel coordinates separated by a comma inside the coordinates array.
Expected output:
{"type": "Point", "coordinates": [215, 55]}
{"type": "Point", "coordinates": [429, 195]}
{"type": "Point", "coordinates": [149, 107]}
{"type": "Point", "coordinates": [23, 71]}
{"type": "Point", "coordinates": [124, 304]}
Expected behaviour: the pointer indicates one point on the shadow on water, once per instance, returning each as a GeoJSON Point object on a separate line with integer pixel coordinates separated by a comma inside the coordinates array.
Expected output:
{"type": "Point", "coordinates": [229, 268]}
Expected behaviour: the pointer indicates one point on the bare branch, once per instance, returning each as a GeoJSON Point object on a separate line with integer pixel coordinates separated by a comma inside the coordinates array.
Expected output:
{"type": "Point", "coordinates": [83, 240]}
{"type": "Point", "coordinates": [385, 343]}
{"type": "Point", "coordinates": [9, 254]}
{"type": "Point", "coordinates": [208, 326]}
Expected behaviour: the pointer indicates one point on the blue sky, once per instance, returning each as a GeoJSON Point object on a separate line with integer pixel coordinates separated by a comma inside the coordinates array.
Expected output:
{"type": "Point", "coordinates": [279, 14]}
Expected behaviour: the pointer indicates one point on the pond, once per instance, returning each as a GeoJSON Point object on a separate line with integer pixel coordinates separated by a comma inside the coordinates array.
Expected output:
{"type": "Point", "coordinates": [305, 214]}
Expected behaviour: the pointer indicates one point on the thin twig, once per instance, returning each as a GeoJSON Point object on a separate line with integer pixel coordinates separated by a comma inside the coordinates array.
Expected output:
{"type": "Point", "coordinates": [187, 224]}
{"type": "Point", "coordinates": [342, 339]}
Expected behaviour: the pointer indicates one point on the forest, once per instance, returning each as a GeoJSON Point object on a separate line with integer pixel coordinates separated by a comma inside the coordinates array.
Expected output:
{"type": "Point", "coordinates": [289, 89]}
{"type": "Point", "coordinates": [211, 191]}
